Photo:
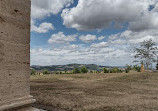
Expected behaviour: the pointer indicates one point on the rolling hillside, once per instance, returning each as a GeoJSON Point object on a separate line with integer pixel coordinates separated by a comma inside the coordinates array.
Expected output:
{"type": "Point", "coordinates": [68, 67]}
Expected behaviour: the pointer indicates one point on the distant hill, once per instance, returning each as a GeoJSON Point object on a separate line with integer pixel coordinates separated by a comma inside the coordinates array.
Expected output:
{"type": "Point", "coordinates": [69, 67]}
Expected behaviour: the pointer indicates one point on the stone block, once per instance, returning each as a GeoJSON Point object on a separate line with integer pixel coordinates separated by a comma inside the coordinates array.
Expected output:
{"type": "Point", "coordinates": [15, 55]}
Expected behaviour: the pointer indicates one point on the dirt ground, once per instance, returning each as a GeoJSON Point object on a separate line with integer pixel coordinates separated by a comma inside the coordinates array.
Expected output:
{"type": "Point", "coordinates": [97, 92]}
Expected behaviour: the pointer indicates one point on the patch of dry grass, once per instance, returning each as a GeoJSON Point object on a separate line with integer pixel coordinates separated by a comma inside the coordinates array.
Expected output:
{"type": "Point", "coordinates": [97, 92]}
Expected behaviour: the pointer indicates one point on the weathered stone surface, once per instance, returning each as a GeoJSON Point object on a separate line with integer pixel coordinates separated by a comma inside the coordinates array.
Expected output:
{"type": "Point", "coordinates": [14, 54]}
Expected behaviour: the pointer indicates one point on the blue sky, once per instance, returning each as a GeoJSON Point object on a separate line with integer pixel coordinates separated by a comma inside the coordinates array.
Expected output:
{"type": "Point", "coordinates": [99, 32]}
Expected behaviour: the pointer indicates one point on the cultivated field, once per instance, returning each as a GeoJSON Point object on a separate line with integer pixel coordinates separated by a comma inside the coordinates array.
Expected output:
{"type": "Point", "coordinates": [97, 92]}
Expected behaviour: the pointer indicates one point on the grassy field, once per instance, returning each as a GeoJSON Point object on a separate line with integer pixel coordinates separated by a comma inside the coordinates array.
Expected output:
{"type": "Point", "coordinates": [97, 92]}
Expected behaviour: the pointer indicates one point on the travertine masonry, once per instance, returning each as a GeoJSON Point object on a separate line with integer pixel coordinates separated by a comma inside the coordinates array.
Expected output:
{"type": "Point", "coordinates": [14, 53]}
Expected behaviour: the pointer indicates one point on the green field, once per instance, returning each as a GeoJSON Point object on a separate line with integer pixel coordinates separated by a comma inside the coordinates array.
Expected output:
{"type": "Point", "coordinates": [97, 92]}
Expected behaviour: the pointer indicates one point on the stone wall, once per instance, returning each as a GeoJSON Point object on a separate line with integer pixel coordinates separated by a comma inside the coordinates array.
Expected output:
{"type": "Point", "coordinates": [14, 53]}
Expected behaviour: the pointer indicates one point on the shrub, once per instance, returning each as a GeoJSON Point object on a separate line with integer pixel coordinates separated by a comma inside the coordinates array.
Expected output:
{"type": "Point", "coordinates": [127, 71]}
{"type": "Point", "coordinates": [130, 67]}
{"type": "Point", "coordinates": [114, 70]}
{"type": "Point", "coordinates": [57, 72]}
{"type": "Point", "coordinates": [136, 68]}
{"type": "Point", "coordinates": [45, 71]}
{"type": "Point", "coordinates": [84, 70]}
{"type": "Point", "coordinates": [106, 70]}
{"type": "Point", "coordinates": [66, 72]}
{"type": "Point", "coordinates": [95, 71]}
{"type": "Point", "coordinates": [33, 71]}
{"type": "Point", "coordinates": [110, 70]}
{"type": "Point", "coordinates": [76, 71]}
{"type": "Point", "coordinates": [91, 71]}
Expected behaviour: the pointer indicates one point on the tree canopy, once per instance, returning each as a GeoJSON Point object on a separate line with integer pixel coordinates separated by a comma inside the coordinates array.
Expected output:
{"type": "Point", "coordinates": [146, 53]}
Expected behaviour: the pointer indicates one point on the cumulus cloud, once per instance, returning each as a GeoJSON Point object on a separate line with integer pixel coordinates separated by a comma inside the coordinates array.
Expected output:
{"type": "Point", "coordinates": [99, 45]}
{"type": "Point", "coordinates": [147, 21]}
{"type": "Point", "coordinates": [142, 22]}
{"type": "Point", "coordinates": [129, 37]}
{"type": "Point", "coordinates": [101, 37]}
{"type": "Point", "coordinates": [42, 28]}
{"type": "Point", "coordinates": [60, 38]}
{"type": "Point", "coordinates": [113, 36]}
{"type": "Point", "coordinates": [43, 8]}
{"type": "Point", "coordinates": [88, 38]}
{"type": "Point", "coordinates": [99, 14]}
{"type": "Point", "coordinates": [79, 54]}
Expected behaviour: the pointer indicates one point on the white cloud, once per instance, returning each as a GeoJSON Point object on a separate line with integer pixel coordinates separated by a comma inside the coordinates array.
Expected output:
{"type": "Point", "coordinates": [113, 36]}
{"type": "Point", "coordinates": [99, 45]}
{"type": "Point", "coordinates": [119, 42]}
{"type": "Point", "coordinates": [101, 37]}
{"type": "Point", "coordinates": [148, 21]}
{"type": "Point", "coordinates": [79, 54]}
{"type": "Point", "coordinates": [60, 38]}
{"type": "Point", "coordinates": [90, 15]}
{"type": "Point", "coordinates": [131, 38]}
{"type": "Point", "coordinates": [43, 8]}
{"type": "Point", "coordinates": [99, 14]}
{"type": "Point", "coordinates": [42, 28]}
{"type": "Point", "coordinates": [73, 46]}
{"type": "Point", "coordinates": [88, 38]}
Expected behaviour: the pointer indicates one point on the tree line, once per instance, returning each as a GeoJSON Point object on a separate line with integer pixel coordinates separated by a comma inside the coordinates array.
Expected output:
{"type": "Point", "coordinates": [84, 70]}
